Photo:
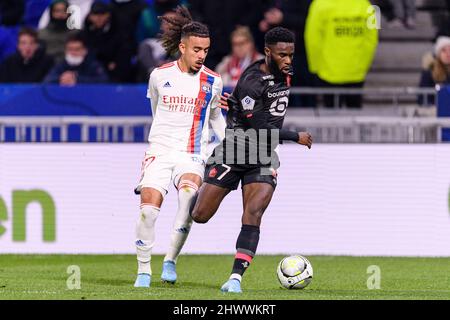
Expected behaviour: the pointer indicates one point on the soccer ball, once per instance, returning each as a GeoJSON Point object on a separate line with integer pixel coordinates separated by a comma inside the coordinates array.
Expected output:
{"type": "Point", "coordinates": [295, 272]}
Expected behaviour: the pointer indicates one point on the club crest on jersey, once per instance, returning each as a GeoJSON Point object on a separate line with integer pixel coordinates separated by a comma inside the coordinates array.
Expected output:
{"type": "Point", "coordinates": [206, 87]}
{"type": "Point", "coordinates": [213, 173]}
{"type": "Point", "coordinates": [248, 103]}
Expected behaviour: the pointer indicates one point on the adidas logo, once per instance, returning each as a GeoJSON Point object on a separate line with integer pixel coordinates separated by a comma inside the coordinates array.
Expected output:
{"type": "Point", "coordinates": [167, 85]}
{"type": "Point", "coordinates": [140, 243]}
{"type": "Point", "coordinates": [183, 230]}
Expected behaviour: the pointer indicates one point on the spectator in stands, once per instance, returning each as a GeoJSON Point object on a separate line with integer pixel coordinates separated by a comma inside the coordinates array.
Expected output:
{"type": "Point", "coordinates": [223, 17]}
{"type": "Point", "coordinates": [105, 42]}
{"type": "Point", "coordinates": [340, 46]}
{"type": "Point", "coordinates": [151, 54]}
{"type": "Point", "coordinates": [7, 43]}
{"type": "Point", "coordinates": [30, 64]}
{"type": "Point", "coordinates": [444, 25]}
{"type": "Point", "coordinates": [83, 6]}
{"type": "Point", "coordinates": [128, 13]}
{"type": "Point", "coordinates": [55, 34]}
{"type": "Point", "coordinates": [436, 67]}
{"type": "Point", "coordinates": [404, 12]}
{"type": "Point", "coordinates": [78, 66]}
{"type": "Point", "coordinates": [149, 25]}
{"type": "Point", "coordinates": [11, 12]}
{"type": "Point", "coordinates": [11, 16]}
{"type": "Point", "coordinates": [292, 14]}
{"type": "Point", "coordinates": [243, 53]}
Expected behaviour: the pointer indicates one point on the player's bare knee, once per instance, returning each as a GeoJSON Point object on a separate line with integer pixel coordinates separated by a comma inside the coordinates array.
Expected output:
{"type": "Point", "coordinates": [152, 197]}
{"type": "Point", "coordinates": [200, 216]}
{"type": "Point", "coordinates": [255, 209]}
{"type": "Point", "coordinates": [252, 217]}
{"type": "Point", "coordinates": [200, 219]}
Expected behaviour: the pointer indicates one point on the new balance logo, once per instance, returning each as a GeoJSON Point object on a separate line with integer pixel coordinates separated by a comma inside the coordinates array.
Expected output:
{"type": "Point", "coordinates": [167, 85]}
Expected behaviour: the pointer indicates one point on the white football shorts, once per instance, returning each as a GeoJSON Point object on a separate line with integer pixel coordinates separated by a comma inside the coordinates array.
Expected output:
{"type": "Point", "coordinates": [159, 170]}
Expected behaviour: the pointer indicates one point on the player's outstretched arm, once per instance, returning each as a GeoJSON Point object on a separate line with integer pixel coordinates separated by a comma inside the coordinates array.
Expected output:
{"type": "Point", "coordinates": [259, 121]}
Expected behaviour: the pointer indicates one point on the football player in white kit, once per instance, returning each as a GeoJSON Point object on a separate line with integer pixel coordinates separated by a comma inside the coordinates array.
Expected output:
{"type": "Point", "coordinates": [186, 97]}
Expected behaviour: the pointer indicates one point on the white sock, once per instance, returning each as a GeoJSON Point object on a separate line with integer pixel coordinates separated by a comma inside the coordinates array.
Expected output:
{"type": "Point", "coordinates": [236, 276]}
{"type": "Point", "coordinates": [145, 237]}
{"type": "Point", "coordinates": [183, 221]}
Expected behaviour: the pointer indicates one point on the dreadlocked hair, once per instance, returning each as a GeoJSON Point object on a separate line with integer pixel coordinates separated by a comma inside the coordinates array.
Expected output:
{"type": "Point", "coordinates": [180, 25]}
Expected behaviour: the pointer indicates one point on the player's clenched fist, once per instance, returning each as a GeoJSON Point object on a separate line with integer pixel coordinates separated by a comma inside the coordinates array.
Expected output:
{"type": "Point", "coordinates": [305, 139]}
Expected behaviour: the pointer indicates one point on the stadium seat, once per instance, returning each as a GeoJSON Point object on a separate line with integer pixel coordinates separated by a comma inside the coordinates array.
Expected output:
{"type": "Point", "coordinates": [398, 62]}
{"type": "Point", "coordinates": [33, 11]}
{"type": "Point", "coordinates": [8, 40]}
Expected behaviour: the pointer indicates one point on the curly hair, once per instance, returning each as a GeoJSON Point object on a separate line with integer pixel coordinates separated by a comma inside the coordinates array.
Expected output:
{"type": "Point", "coordinates": [180, 26]}
{"type": "Point", "coordinates": [279, 34]}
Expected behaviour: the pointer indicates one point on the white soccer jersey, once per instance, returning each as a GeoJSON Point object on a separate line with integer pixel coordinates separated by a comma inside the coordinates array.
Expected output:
{"type": "Point", "coordinates": [183, 106]}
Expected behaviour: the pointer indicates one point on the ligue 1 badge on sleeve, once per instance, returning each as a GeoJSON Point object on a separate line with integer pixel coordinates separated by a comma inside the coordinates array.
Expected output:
{"type": "Point", "coordinates": [248, 103]}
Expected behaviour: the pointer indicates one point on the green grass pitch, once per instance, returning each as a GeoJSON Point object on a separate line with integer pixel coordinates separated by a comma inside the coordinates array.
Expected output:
{"type": "Point", "coordinates": [200, 277]}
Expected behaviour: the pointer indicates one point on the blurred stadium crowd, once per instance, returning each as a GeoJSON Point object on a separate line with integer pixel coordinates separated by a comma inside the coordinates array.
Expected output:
{"type": "Point", "coordinates": [115, 41]}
